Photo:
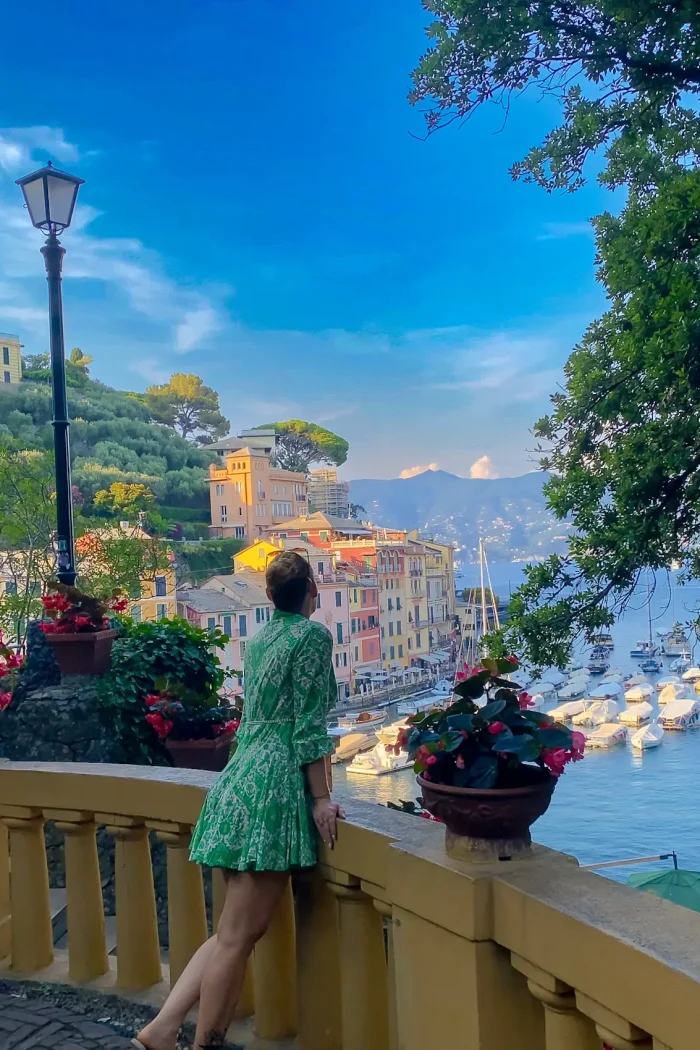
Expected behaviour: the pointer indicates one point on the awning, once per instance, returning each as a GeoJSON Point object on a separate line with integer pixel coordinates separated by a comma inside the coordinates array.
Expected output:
{"type": "Point", "coordinates": [431, 659]}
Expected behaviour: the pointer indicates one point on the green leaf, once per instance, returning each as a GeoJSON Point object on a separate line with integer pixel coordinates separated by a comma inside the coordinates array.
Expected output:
{"type": "Point", "coordinates": [492, 709]}
{"type": "Point", "coordinates": [512, 745]}
{"type": "Point", "coordinates": [471, 688]}
{"type": "Point", "coordinates": [451, 740]}
{"type": "Point", "coordinates": [482, 772]}
{"type": "Point", "coordinates": [554, 737]}
{"type": "Point", "coordinates": [461, 722]}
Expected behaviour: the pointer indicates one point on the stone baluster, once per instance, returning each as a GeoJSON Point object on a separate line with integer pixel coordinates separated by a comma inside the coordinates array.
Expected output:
{"type": "Point", "coordinates": [613, 1030]}
{"type": "Point", "coordinates": [87, 947]}
{"type": "Point", "coordinates": [4, 893]}
{"type": "Point", "coordinates": [138, 949]}
{"type": "Point", "coordinates": [363, 968]}
{"type": "Point", "coordinates": [32, 936]}
{"type": "Point", "coordinates": [246, 1000]}
{"type": "Point", "coordinates": [318, 964]}
{"type": "Point", "coordinates": [187, 915]}
{"type": "Point", "coordinates": [274, 969]}
{"type": "Point", "coordinates": [386, 911]}
{"type": "Point", "coordinates": [565, 1028]}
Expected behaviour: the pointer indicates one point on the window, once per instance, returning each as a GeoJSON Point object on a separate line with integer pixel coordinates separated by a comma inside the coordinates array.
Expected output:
{"type": "Point", "coordinates": [345, 659]}
{"type": "Point", "coordinates": [371, 621]}
{"type": "Point", "coordinates": [318, 601]}
{"type": "Point", "coordinates": [304, 536]}
{"type": "Point", "coordinates": [135, 613]}
{"type": "Point", "coordinates": [7, 377]}
{"type": "Point", "coordinates": [227, 625]}
{"type": "Point", "coordinates": [417, 641]}
{"type": "Point", "coordinates": [319, 566]}
{"type": "Point", "coordinates": [391, 628]}
{"type": "Point", "coordinates": [284, 490]}
{"type": "Point", "coordinates": [243, 645]}
{"type": "Point", "coordinates": [337, 659]}
{"type": "Point", "coordinates": [374, 597]}
{"type": "Point", "coordinates": [161, 586]}
{"type": "Point", "coordinates": [6, 355]}
{"type": "Point", "coordinates": [410, 644]}
{"type": "Point", "coordinates": [239, 532]}
{"type": "Point", "coordinates": [390, 604]}
{"type": "Point", "coordinates": [243, 628]}
{"type": "Point", "coordinates": [382, 632]}
{"type": "Point", "coordinates": [258, 615]}
{"type": "Point", "coordinates": [400, 652]}
{"type": "Point", "coordinates": [224, 514]}
{"type": "Point", "coordinates": [398, 626]}
{"type": "Point", "coordinates": [339, 633]}
{"type": "Point", "coordinates": [237, 487]}
{"type": "Point", "coordinates": [357, 653]}
{"type": "Point", "coordinates": [161, 611]}
{"type": "Point", "coordinates": [211, 622]}
{"type": "Point", "coordinates": [267, 615]}
{"type": "Point", "coordinates": [260, 490]}
{"type": "Point", "coordinates": [323, 536]}
{"type": "Point", "coordinates": [391, 652]}
{"type": "Point", "coordinates": [398, 604]}
{"type": "Point", "coordinates": [11, 587]}
{"type": "Point", "coordinates": [354, 595]}
{"type": "Point", "coordinates": [338, 599]}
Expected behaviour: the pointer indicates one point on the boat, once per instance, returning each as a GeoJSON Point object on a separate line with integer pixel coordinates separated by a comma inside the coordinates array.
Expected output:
{"type": "Point", "coordinates": [651, 666]}
{"type": "Point", "coordinates": [598, 714]}
{"type": "Point", "coordinates": [599, 662]}
{"type": "Point", "coordinates": [546, 689]}
{"type": "Point", "coordinates": [616, 677]}
{"type": "Point", "coordinates": [566, 711]}
{"type": "Point", "coordinates": [536, 702]}
{"type": "Point", "coordinates": [421, 703]}
{"type": "Point", "coordinates": [691, 675]}
{"type": "Point", "coordinates": [603, 640]}
{"type": "Point", "coordinates": [647, 737]}
{"type": "Point", "coordinates": [351, 745]}
{"type": "Point", "coordinates": [607, 735]}
{"type": "Point", "coordinates": [573, 691]}
{"type": "Point", "coordinates": [643, 650]}
{"type": "Point", "coordinates": [637, 715]}
{"type": "Point", "coordinates": [361, 719]}
{"type": "Point", "coordinates": [680, 665]}
{"type": "Point", "coordinates": [443, 688]}
{"type": "Point", "coordinates": [636, 679]}
{"type": "Point", "coordinates": [606, 691]}
{"type": "Point", "coordinates": [676, 643]}
{"type": "Point", "coordinates": [614, 672]}
{"type": "Point", "coordinates": [673, 691]}
{"type": "Point", "coordinates": [672, 679]}
{"type": "Point", "coordinates": [638, 693]}
{"type": "Point", "coordinates": [680, 714]}
{"type": "Point", "coordinates": [379, 761]}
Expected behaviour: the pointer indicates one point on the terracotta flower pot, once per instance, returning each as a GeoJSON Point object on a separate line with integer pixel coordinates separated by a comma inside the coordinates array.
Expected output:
{"type": "Point", "coordinates": [200, 754]}
{"type": "Point", "coordinates": [495, 813]}
{"type": "Point", "coordinates": [87, 652]}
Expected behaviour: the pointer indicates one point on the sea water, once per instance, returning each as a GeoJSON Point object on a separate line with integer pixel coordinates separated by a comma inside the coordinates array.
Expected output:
{"type": "Point", "coordinates": [618, 803]}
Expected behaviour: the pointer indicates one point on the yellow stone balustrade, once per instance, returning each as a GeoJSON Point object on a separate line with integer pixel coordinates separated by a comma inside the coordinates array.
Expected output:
{"type": "Point", "coordinates": [389, 945]}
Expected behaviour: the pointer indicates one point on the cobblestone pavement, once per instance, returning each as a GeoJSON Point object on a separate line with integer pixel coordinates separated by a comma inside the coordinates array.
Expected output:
{"type": "Point", "coordinates": [31, 1024]}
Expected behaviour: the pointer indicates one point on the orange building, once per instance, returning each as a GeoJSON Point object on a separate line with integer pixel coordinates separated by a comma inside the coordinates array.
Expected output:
{"type": "Point", "coordinates": [248, 495]}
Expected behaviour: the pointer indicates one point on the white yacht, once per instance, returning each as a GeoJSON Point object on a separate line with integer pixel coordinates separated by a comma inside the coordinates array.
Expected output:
{"type": "Point", "coordinates": [378, 761]}
{"type": "Point", "coordinates": [607, 735]}
{"type": "Point", "coordinates": [647, 737]}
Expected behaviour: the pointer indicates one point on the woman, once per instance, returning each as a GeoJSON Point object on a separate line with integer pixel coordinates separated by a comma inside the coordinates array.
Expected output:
{"type": "Point", "coordinates": [257, 823]}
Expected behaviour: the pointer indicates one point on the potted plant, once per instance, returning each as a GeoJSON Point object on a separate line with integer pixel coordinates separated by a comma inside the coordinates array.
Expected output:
{"type": "Point", "coordinates": [78, 630]}
{"type": "Point", "coordinates": [488, 772]}
{"type": "Point", "coordinates": [10, 662]}
{"type": "Point", "coordinates": [197, 730]}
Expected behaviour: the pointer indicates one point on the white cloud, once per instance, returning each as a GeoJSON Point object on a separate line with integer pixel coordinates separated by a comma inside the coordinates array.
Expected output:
{"type": "Point", "coordinates": [515, 366]}
{"type": "Point", "coordinates": [149, 368]}
{"type": "Point", "coordinates": [483, 468]}
{"type": "Point", "coordinates": [410, 472]}
{"type": "Point", "coordinates": [557, 231]}
{"type": "Point", "coordinates": [188, 317]}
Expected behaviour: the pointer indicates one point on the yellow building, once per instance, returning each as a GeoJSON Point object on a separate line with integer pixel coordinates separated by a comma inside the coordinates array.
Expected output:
{"type": "Point", "coordinates": [11, 366]}
{"type": "Point", "coordinates": [155, 599]}
{"type": "Point", "coordinates": [439, 589]}
{"type": "Point", "coordinates": [248, 495]}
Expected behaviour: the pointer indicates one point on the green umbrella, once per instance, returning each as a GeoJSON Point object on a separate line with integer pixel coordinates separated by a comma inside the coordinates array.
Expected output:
{"type": "Point", "coordinates": [681, 887]}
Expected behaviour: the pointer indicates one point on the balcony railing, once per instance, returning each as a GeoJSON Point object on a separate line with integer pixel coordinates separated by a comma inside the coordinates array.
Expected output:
{"type": "Point", "coordinates": [416, 572]}
{"type": "Point", "coordinates": [530, 954]}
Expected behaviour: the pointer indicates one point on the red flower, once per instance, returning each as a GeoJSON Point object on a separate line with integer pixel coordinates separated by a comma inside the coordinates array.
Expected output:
{"type": "Point", "coordinates": [82, 621]}
{"type": "Point", "coordinates": [120, 604]}
{"type": "Point", "coordinates": [556, 759]}
{"type": "Point", "coordinates": [49, 627]}
{"type": "Point", "coordinates": [5, 699]}
{"type": "Point", "coordinates": [431, 760]}
{"type": "Point", "coordinates": [512, 659]}
{"type": "Point", "coordinates": [496, 727]}
{"type": "Point", "coordinates": [161, 725]}
{"type": "Point", "coordinates": [152, 699]}
{"type": "Point", "coordinates": [525, 701]}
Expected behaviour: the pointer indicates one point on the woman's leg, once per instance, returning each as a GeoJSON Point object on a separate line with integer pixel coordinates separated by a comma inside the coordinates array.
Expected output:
{"type": "Point", "coordinates": [251, 898]}
{"type": "Point", "coordinates": [161, 1032]}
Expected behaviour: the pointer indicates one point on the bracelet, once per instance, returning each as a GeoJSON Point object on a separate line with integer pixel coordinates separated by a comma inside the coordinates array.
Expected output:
{"type": "Point", "coordinates": [319, 798]}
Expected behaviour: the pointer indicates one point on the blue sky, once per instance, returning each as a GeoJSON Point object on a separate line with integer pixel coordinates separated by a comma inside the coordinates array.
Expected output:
{"type": "Point", "coordinates": [257, 211]}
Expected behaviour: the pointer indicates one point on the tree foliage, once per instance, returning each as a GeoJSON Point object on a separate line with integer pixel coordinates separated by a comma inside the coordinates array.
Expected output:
{"type": "Point", "coordinates": [124, 500]}
{"type": "Point", "coordinates": [299, 444]}
{"type": "Point", "coordinates": [190, 407]}
{"type": "Point", "coordinates": [622, 440]}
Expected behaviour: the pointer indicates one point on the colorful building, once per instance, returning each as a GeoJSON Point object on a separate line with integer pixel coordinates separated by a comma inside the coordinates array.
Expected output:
{"type": "Point", "coordinates": [208, 608]}
{"type": "Point", "coordinates": [11, 358]}
{"type": "Point", "coordinates": [439, 590]}
{"type": "Point", "coordinates": [365, 638]}
{"type": "Point", "coordinates": [248, 495]}
{"type": "Point", "coordinates": [327, 494]}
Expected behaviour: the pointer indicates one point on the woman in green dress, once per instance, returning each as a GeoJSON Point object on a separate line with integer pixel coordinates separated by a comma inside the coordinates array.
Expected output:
{"type": "Point", "coordinates": [260, 817]}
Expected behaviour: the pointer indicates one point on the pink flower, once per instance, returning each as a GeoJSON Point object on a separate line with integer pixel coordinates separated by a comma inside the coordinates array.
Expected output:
{"type": "Point", "coordinates": [556, 759]}
{"type": "Point", "coordinates": [578, 746]}
{"type": "Point", "coordinates": [496, 727]}
{"type": "Point", "coordinates": [425, 774]}
{"type": "Point", "coordinates": [5, 699]}
{"type": "Point", "coordinates": [459, 762]}
{"type": "Point", "coordinates": [431, 760]}
{"type": "Point", "coordinates": [525, 701]}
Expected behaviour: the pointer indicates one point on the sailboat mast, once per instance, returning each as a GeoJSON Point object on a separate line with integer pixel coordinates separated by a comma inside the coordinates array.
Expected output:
{"type": "Point", "coordinates": [484, 620]}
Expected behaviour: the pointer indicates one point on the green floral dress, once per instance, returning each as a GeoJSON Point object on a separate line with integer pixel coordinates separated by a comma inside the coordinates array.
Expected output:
{"type": "Point", "coordinates": [257, 815]}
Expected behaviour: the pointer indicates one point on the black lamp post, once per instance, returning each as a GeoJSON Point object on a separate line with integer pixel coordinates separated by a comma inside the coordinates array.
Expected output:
{"type": "Point", "coordinates": [50, 197]}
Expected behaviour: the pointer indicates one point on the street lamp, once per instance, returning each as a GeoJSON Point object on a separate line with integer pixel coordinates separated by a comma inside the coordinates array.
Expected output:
{"type": "Point", "coordinates": [50, 197]}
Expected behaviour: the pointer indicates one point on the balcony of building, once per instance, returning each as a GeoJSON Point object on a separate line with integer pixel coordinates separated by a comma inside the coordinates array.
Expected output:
{"type": "Point", "coordinates": [389, 944]}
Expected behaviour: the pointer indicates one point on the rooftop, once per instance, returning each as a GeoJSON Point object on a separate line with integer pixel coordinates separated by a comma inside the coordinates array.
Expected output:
{"type": "Point", "coordinates": [319, 520]}
{"type": "Point", "coordinates": [243, 588]}
{"type": "Point", "coordinates": [207, 600]}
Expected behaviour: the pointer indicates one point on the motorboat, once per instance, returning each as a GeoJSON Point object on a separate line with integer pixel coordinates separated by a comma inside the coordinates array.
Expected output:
{"type": "Point", "coordinates": [379, 760]}
{"type": "Point", "coordinates": [614, 672]}
{"type": "Point", "coordinates": [555, 676]}
{"type": "Point", "coordinates": [567, 711]}
{"type": "Point", "coordinates": [691, 675]}
{"type": "Point", "coordinates": [647, 737]}
{"type": "Point", "coordinates": [676, 643]}
{"type": "Point", "coordinates": [352, 744]}
{"type": "Point", "coordinates": [636, 679]}
{"type": "Point", "coordinates": [536, 702]}
{"type": "Point", "coordinates": [603, 640]}
{"type": "Point", "coordinates": [598, 714]}
{"type": "Point", "coordinates": [637, 715]}
{"type": "Point", "coordinates": [599, 662]}
{"type": "Point", "coordinates": [673, 691]}
{"type": "Point", "coordinates": [413, 706]}
{"type": "Point", "coordinates": [638, 693]}
{"type": "Point", "coordinates": [607, 735]}
{"type": "Point", "coordinates": [616, 677]}
{"type": "Point", "coordinates": [672, 679]}
{"type": "Point", "coordinates": [680, 714]}
{"type": "Point", "coordinates": [573, 691]}
{"type": "Point", "coordinates": [606, 691]}
{"type": "Point", "coordinates": [362, 719]}
{"type": "Point", "coordinates": [443, 687]}
{"type": "Point", "coordinates": [643, 650]}
{"type": "Point", "coordinates": [651, 666]}
{"type": "Point", "coordinates": [679, 665]}
{"type": "Point", "coordinates": [546, 689]}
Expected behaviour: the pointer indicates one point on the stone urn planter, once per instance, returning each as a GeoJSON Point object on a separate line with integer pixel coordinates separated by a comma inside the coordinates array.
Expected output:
{"type": "Point", "coordinates": [496, 820]}
{"type": "Point", "coordinates": [84, 652]}
{"type": "Point", "coordinates": [200, 754]}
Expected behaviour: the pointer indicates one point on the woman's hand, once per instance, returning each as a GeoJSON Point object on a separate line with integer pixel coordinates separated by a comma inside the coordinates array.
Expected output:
{"type": "Point", "coordinates": [326, 815]}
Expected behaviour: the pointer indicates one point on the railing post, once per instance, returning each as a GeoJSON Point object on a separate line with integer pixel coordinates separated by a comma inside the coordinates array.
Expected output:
{"type": "Point", "coordinates": [187, 915]}
{"type": "Point", "coordinates": [318, 964]}
{"type": "Point", "coordinates": [32, 936]}
{"type": "Point", "coordinates": [274, 969]}
{"type": "Point", "coordinates": [363, 969]}
{"type": "Point", "coordinates": [138, 949]}
{"type": "Point", "coordinates": [612, 1029]}
{"type": "Point", "coordinates": [387, 913]}
{"type": "Point", "coordinates": [87, 948]}
{"type": "Point", "coordinates": [565, 1028]}
{"type": "Point", "coordinates": [246, 1000]}
{"type": "Point", "coordinates": [5, 931]}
